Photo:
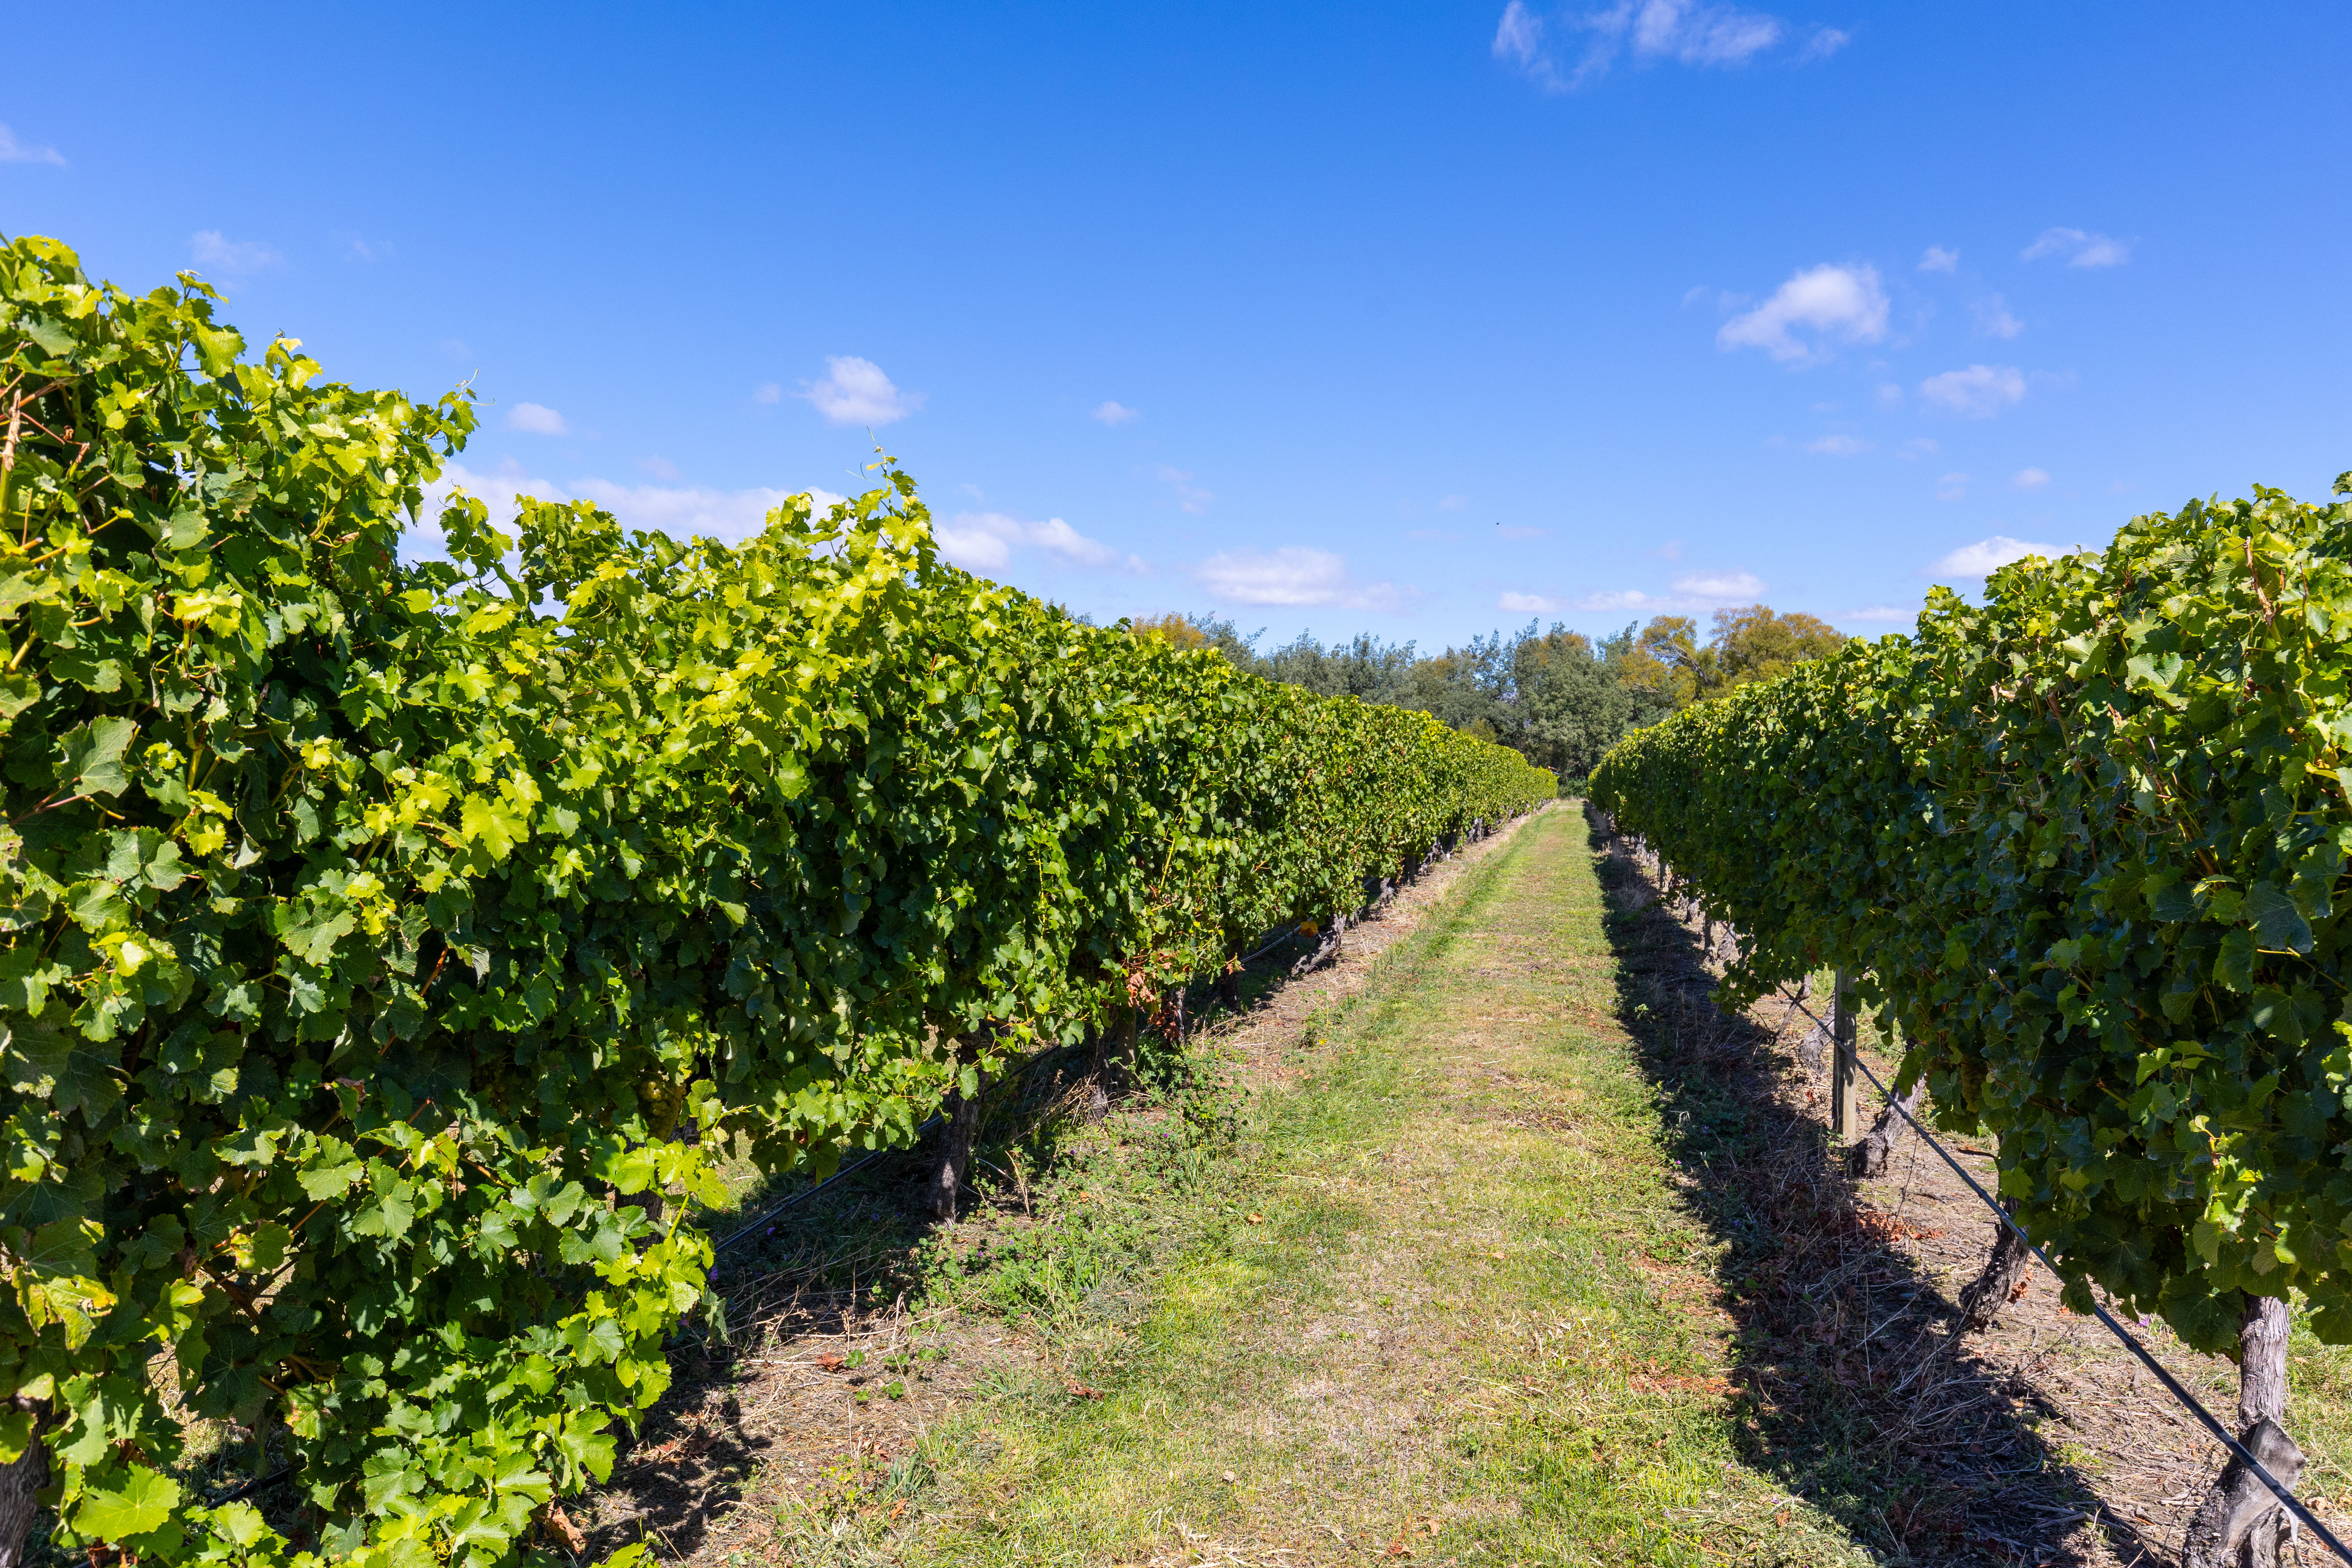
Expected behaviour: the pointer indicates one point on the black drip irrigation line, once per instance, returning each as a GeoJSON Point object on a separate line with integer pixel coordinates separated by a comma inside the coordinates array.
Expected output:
{"type": "Point", "coordinates": [254, 1486]}
{"type": "Point", "coordinates": [848, 1170]}
{"type": "Point", "coordinates": [1269, 947]}
{"type": "Point", "coordinates": [2294, 1504]}
{"type": "Point", "coordinates": [805, 1194]}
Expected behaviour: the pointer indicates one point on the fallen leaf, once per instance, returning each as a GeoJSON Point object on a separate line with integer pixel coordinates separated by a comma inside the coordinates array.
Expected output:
{"type": "Point", "coordinates": [1229, 1477]}
{"type": "Point", "coordinates": [1257, 1219]}
{"type": "Point", "coordinates": [829, 1362]}
{"type": "Point", "coordinates": [559, 1524]}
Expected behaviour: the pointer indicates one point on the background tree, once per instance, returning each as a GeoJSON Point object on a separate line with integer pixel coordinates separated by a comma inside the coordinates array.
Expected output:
{"type": "Point", "coordinates": [1558, 696]}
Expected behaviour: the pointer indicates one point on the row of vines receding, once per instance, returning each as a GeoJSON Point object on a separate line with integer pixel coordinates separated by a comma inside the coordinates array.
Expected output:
{"type": "Point", "coordinates": [370, 927]}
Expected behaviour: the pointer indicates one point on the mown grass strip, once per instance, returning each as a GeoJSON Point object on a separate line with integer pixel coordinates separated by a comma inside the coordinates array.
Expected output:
{"type": "Point", "coordinates": [1452, 1306]}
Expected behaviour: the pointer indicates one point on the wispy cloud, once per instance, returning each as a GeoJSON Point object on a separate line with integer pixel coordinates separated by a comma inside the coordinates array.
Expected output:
{"type": "Point", "coordinates": [1838, 446]}
{"type": "Point", "coordinates": [537, 419]}
{"type": "Point", "coordinates": [1952, 487]}
{"type": "Point", "coordinates": [2030, 479]}
{"type": "Point", "coordinates": [984, 542]}
{"type": "Point", "coordinates": [1980, 392]}
{"type": "Point", "coordinates": [1841, 302]}
{"type": "Point", "coordinates": [768, 391]}
{"type": "Point", "coordinates": [210, 248]}
{"type": "Point", "coordinates": [1685, 32]}
{"type": "Point", "coordinates": [1531, 604]}
{"type": "Point", "coordinates": [659, 467]}
{"type": "Point", "coordinates": [1293, 576]}
{"type": "Point", "coordinates": [1993, 318]}
{"type": "Point", "coordinates": [1518, 530]}
{"type": "Point", "coordinates": [1114, 413]}
{"type": "Point", "coordinates": [1689, 594]}
{"type": "Point", "coordinates": [1916, 448]}
{"type": "Point", "coordinates": [1454, 503]}
{"type": "Point", "coordinates": [1988, 555]}
{"type": "Point", "coordinates": [1191, 497]}
{"type": "Point", "coordinates": [1938, 260]}
{"type": "Point", "coordinates": [13, 151]}
{"type": "Point", "coordinates": [1520, 38]}
{"type": "Point", "coordinates": [855, 391]}
{"type": "Point", "coordinates": [2079, 246]}
{"type": "Point", "coordinates": [1889, 614]}
{"type": "Point", "coordinates": [678, 510]}
{"type": "Point", "coordinates": [1825, 42]}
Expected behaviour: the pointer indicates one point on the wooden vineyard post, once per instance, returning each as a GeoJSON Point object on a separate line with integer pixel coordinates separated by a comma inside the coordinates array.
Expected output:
{"type": "Point", "coordinates": [1844, 1101]}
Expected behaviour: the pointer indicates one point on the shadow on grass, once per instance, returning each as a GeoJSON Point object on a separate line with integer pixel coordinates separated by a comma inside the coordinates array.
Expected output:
{"type": "Point", "coordinates": [863, 1257]}
{"type": "Point", "coordinates": [1854, 1392]}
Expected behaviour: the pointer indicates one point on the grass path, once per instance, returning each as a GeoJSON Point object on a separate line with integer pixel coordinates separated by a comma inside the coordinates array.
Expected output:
{"type": "Point", "coordinates": [1498, 1242]}
{"type": "Point", "coordinates": [1457, 1311]}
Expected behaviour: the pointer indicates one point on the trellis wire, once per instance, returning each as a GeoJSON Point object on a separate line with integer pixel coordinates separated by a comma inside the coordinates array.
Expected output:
{"type": "Point", "coordinates": [2294, 1504]}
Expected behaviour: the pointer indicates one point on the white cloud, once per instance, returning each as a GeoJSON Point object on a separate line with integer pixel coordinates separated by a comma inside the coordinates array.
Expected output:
{"type": "Point", "coordinates": [15, 152]}
{"type": "Point", "coordinates": [855, 391]}
{"type": "Point", "coordinates": [1825, 42]}
{"type": "Point", "coordinates": [1979, 392]}
{"type": "Point", "coordinates": [1952, 487]}
{"type": "Point", "coordinates": [1115, 413]}
{"type": "Point", "coordinates": [1188, 496]}
{"type": "Point", "coordinates": [1530, 604]}
{"type": "Point", "coordinates": [768, 391]}
{"type": "Point", "coordinates": [1294, 576]}
{"type": "Point", "coordinates": [1687, 32]}
{"type": "Point", "coordinates": [357, 248]}
{"type": "Point", "coordinates": [1985, 554]}
{"type": "Point", "coordinates": [1938, 260]}
{"type": "Point", "coordinates": [1516, 530]}
{"type": "Point", "coordinates": [683, 510]}
{"type": "Point", "coordinates": [537, 419]}
{"type": "Point", "coordinates": [1693, 593]}
{"type": "Point", "coordinates": [1916, 448]}
{"type": "Point", "coordinates": [1993, 318]}
{"type": "Point", "coordinates": [1520, 38]}
{"type": "Point", "coordinates": [676, 510]}
{"type": "Point", "coordinates": [1838, 446]}
{"type": "Point", "coordinates": [2030, 479]}
{"type": "Point", "coordinates": [2079, 246]}
{"type": "Point", "coordinates": [212, 248]}
{"type": "Point", "coordinates": [1844, 303]}
{"type": "Point", "coordinates": [1454, 503]}
{"type": "Point", "coordinates": [1889, 395]}
{"type": "Point", "coordinates": [1672, 549]}
{"type": "Point", "coordinates": [1882, 613]}
{"type": "Point", "coordinates": [984, 542]}
{"type": "Point", "coordinates": [1723, 587]}
{"type": "Point", "coordinates": [659, 467]}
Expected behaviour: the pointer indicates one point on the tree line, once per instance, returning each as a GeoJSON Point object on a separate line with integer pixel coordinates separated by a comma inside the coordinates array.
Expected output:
{"type": "Point", "coordinates": [1559, 697]}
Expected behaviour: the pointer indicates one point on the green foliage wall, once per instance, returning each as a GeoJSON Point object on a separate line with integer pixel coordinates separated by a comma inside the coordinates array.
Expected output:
{"type": "Point", "coordinates": [371, 929]}
{"type": "Point", "coordinates": [2089, 839]}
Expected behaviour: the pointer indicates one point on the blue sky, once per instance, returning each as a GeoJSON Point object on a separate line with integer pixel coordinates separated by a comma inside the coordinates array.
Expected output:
{"type": "Point", "coordinates": [1424, 320]}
